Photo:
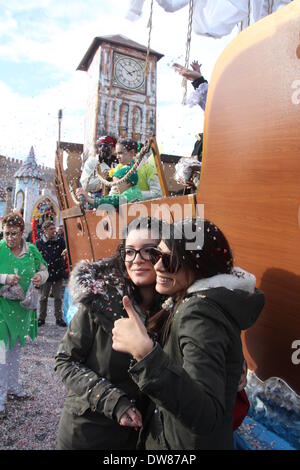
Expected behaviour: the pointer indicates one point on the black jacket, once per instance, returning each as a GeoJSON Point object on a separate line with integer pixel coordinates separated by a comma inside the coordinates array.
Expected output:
{"type": "Point", "coordinates": [51, 250]}
{"type": "Point", "coordinates": [193, 380]}
{"type": "Point", "coordinates": [99, 387]}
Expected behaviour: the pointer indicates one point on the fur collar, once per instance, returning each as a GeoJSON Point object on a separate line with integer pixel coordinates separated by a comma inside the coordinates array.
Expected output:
{"type": "Point", "coordinates": [238, 279]}
{"type": "Point", "coordinates": [89, 280]}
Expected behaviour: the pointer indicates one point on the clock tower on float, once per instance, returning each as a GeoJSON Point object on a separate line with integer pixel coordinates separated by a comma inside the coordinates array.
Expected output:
{"type": "Point", "coordinates": [122, 94]}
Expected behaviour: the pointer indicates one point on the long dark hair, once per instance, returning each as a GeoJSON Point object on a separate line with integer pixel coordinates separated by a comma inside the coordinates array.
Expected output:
{"type": "Point", "coordinates": [156, 227]}
{"type": "Point", "coordinates": [209, 255]}
{"type": "Point", "coordinates": [199, 245]}
{"type": "Point", "coordinates": [128, 144]}
{"type": "Point", "coordinates": [157, 318]}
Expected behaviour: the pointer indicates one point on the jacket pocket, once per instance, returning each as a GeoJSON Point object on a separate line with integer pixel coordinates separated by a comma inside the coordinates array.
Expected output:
{"type": "Point", "coordinates": [163, 441]}
{"type": "Point", "coordinates": [156, 437]}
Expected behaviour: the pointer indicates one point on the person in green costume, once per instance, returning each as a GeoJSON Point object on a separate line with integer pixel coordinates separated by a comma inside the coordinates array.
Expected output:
{"type": "Point", "coordinates": [20, 263]}
{"type": "Point", "coordinates": [128, 190]}
{"type": "Point", "coordinates": [148, 180]}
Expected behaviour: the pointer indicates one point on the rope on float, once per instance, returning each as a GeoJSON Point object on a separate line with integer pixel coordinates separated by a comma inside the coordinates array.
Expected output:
{"type": "Point", "coordinates": [188, 47]}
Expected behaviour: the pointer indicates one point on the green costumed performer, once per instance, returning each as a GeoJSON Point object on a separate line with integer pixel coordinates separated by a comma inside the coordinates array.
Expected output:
{"type": "Point", "coordinates": [128, 190]}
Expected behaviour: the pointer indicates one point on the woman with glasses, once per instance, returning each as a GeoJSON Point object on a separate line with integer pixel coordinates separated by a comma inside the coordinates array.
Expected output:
{"type": "Point", "coordinates": [192, 375]}
{"type": "Point", "coordinates": [20, 263]}
{"type": "Point", "coordinates": [103, 409]}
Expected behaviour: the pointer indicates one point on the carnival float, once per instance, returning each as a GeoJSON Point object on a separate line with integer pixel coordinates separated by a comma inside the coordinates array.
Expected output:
{"type": "Point", "coordinates": [249, 185]}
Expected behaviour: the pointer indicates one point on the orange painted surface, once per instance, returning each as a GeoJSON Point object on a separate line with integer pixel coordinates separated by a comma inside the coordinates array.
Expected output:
{"type": "Point", "coordinates": [250, 182]}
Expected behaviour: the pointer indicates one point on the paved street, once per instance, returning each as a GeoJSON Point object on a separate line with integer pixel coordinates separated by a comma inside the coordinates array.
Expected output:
{"type": "Point", "coordinates": [32, 424]}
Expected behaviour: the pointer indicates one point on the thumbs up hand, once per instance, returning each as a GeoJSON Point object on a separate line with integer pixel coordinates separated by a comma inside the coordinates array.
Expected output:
{"type": "Point", "coordinates": [130, 334]}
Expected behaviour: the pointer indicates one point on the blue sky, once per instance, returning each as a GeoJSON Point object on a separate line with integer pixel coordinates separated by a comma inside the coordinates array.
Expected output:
{"type": "Point", "coordinates": [16, 74]}
{"type": "Point", "coordinates": [41, 45]}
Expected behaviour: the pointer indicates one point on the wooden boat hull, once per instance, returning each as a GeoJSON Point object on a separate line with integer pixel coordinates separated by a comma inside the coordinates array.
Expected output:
{"type": "Point", "coordinates": [96, 234]}
{"type": "Point", "coordinates": [250, 178]}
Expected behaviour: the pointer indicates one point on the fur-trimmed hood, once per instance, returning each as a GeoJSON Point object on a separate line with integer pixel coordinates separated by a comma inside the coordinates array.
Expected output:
{"type": "Point", "coordinates": [238, 279]}
{"type": "Point", "coordinates": [235, 294]}
{"type": "Point", "coordinates": [89, 280]}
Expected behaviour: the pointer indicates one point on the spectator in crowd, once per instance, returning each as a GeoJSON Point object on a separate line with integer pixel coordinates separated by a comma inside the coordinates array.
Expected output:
{"type": "Point", "coordinates": [103, 408]}
{"type": "Point", "coordinates": [53, 249]}
{"type": "Point", "coordinates": [60, 231]}
{"type": "Point", "coordinates": [20, 264]}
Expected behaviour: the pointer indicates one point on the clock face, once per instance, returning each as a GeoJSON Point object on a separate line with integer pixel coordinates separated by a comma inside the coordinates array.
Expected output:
{"type": "Point", "coordinates": [129, 73]}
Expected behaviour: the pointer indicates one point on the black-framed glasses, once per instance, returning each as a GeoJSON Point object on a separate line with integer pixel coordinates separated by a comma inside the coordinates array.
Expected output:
{"type": "Point", "coordinates": [129, 254]}
{"type": "Point", "coordinates": [169, 262]}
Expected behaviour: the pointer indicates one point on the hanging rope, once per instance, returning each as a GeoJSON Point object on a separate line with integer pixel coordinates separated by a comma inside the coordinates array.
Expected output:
{"type": "Point", "coordinates": [188, 47]}
{"type": "Point", "coordinates": [241, 24]}
{"type": "Point", "coordinates": [270, 6]}
{"type": "Point", "coordinates": [149, 25]}
{"type": "Point", "coordinates": [249, 8]}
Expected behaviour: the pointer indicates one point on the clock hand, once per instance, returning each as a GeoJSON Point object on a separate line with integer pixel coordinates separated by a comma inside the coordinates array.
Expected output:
{"type": "Point", "coordinates": [130, 73]}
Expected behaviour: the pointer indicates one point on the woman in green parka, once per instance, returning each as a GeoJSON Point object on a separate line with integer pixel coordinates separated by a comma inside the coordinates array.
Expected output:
{"type": "Point", "coordinates": [192, 376]}
{"type": "Point", "coordinates": [20, 263]}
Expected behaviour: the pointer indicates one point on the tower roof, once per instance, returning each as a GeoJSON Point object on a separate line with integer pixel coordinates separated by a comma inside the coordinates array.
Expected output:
{"type": "Point", "coordinates": [30, 168]}
{"type": "Point", "coordinates": [117, 39]}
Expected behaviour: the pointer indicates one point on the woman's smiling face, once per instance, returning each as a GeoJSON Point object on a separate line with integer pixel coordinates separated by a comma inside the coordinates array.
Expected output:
{"type": "Point", "coordinates": [124, 156]}
{"type": "Point", "coordinates": [171, 283]}
{"type": "Point", "coordinates": [12, 235]}
{"type": "Point", "coordinates": [138, 265]}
